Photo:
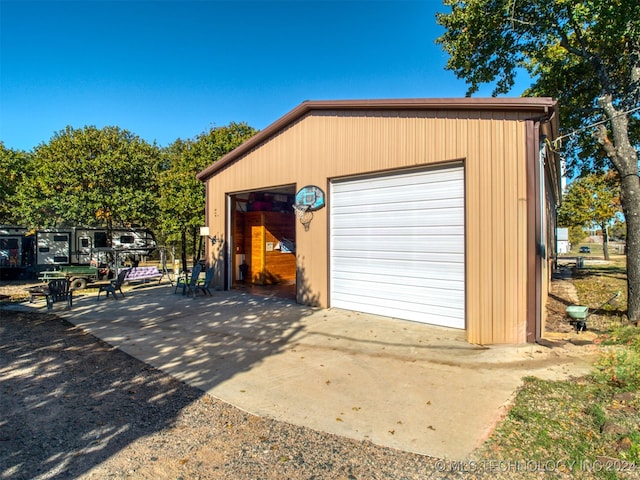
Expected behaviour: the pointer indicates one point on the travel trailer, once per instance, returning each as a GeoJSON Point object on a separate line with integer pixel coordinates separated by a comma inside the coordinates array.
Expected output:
{"type": "Point", "coordinates": [80, 245]}
{"type": "Point", "coordinates": [25, 253]}
{"type": "Point", "coordinates": [15, 250]}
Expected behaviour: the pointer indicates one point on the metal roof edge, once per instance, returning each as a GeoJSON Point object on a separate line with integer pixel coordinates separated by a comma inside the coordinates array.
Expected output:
{"type": "Point", "coordinates": [537, 104]}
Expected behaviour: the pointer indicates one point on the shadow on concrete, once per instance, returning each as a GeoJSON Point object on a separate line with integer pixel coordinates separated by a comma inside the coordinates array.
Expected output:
{"type": "Point", "coordinates": [75, 399]}
{"type": "Point", "coordinates": [403, 385]}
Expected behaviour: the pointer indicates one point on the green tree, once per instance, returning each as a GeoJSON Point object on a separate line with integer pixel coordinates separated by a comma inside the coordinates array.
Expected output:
{"type": "Point", "coordinates": [91, 177]}
{"type": "Point", "coordinates": [592, 200]}
{"type": "Point", "coordinates": [13, 165]}
{"type": "Point", "coordinates": [618, 230]}
{"type": "Point", "coordinates": [182, 196]}
{"type": "Point", "coordinates": [585, 53]}
{"type": "Point", "coordinates": [576, 235]}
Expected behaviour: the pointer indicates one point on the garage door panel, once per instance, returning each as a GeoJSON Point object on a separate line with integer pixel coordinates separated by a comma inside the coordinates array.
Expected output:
{"type": "Point", "coordinates": [407, 300]}
{"type": "Point", "coordinates": [404, 219]}
{"type": "Point", "coordinates": [400, 200]}
{"type": "Point", "coordinates": [434, 231]}
{"type": "Point", "coordinates": [397, 246]}
{"type": "Point", "coordinates": [359, 256]}
{"type": "Point", "coordinates": [406, 270]}
{"type": "Point", "coordinates": [404, 299]}
{"type": "Point", "coordinates": [435, 179]}
{"type": "Point", "coordinates": [389, 243]}
{"type": "Point", "coordinates": [406, 263]}
{"type": "Point", "coordinates": [425, 291]}
{"type": "Point", "coordinates": [421, 209]}
{"type": "Point", "coordinates": [400, 196]}
{"type": "Point", "coordinates": [444, 316]}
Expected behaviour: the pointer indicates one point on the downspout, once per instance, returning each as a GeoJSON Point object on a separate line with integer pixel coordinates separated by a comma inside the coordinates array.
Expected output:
{"type": "Point", "coordinates": [542, 241]}
{"type": "Point", "coordinates": [536, 250]}
{"type": "Point", "coordinates": [533, 287]}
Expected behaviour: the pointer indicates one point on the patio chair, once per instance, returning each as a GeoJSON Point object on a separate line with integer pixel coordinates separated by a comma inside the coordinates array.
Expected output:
{"type": "Point", "coordinates": [192, 286]}
{"type": "Point", "coordinates": [59, 291]}
{"type": "Point", "coordinates": [113, 286]}
{"type": "Point", "coordinates": [207, 284]}
{"type": "Point", "coordinates": [182, 281]}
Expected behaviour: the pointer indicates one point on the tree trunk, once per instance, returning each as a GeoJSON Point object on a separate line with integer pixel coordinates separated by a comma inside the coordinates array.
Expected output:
{"type": "Point", "coordinates": [605, 241]}
{"type": "Point", "coordinates": [183, 254]}
{"type": "Point", "coordinates": [199, 248]}
{"type": "Point", "coordinates": [624, 157]}
{"type": "Point", "coordinates": [630, 189]}
{"type": "Point", "coordinates": [195, 252]}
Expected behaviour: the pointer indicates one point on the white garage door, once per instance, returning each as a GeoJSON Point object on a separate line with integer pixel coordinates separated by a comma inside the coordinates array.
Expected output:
{"type": "Point", "coordinates": [397, 245]}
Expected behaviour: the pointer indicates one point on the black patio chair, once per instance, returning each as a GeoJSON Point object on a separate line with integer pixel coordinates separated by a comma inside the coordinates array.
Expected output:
{"type": "Point", "coordinates": [59, 290]}
{"type": "Point", "coordinates": [114, 286]}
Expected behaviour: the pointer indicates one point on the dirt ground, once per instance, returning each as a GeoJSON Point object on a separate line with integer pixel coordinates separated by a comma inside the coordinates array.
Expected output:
{"type": "Point", "coordinates": [75, 407]}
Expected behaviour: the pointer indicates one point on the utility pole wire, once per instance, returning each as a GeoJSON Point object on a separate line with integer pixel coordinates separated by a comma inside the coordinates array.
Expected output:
{"type": "Point", "coordinates": [555, 141]}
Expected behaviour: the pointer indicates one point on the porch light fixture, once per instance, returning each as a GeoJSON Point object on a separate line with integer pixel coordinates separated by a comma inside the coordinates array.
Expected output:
{"type": "Point", "coordinates": [204, 232]}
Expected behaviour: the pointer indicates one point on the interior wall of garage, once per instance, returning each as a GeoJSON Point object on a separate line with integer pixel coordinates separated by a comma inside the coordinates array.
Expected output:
{"type": "Point", "coordinates": [328, 144]}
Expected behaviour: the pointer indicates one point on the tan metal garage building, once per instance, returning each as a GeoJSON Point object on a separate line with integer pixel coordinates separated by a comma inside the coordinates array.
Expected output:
{"type": "Point", "coordinates": [439, 211]}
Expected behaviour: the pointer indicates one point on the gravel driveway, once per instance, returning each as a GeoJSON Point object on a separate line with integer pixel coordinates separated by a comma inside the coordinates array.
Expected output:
{"type": "Point", "coordinates": [74, 407]}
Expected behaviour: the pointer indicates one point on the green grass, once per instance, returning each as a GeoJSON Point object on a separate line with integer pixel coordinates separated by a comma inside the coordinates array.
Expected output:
{"type": "Point", "coordinates": [597, 283]}
{"type": "Point", "coordinates": [619, 365]}
{"type": "Point", "coordinates": [597, 250]}
{"type": "Point", "coordinates": [586, 422]}
{"type": "Point", "coordinates": [572, 423]}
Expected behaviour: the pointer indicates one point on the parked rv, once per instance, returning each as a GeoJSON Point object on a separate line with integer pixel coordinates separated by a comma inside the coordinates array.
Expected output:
{"type": "Point", "coordinates": [15, 251]}
{"type": "Point", "coordinates": [26, 254]}
{"type": "Point", "coordinates": [76, 246]}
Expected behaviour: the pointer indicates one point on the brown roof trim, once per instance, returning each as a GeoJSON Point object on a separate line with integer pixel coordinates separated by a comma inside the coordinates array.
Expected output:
{"type": "Point", "coordinates": [542, 105]}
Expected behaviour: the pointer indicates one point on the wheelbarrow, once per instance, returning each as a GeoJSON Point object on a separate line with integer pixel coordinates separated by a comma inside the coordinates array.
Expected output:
{"type": "Point", "coordinates": [578, 314]}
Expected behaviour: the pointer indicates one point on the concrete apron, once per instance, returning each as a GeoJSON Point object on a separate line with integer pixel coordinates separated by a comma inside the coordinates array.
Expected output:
{"type": "Point", "coordinates": [399, 384]}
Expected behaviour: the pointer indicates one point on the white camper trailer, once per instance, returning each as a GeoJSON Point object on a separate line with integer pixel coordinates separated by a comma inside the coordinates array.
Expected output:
{"type": "Point", "coordinates": [26, 253]}
{"type": "Point", "coordinates": [78, 245]}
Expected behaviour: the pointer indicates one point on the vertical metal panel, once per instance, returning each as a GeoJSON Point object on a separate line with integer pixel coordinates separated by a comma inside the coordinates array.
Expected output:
{"type": "Point", "coordinates": [523, 227]}
{"type": "Point", "coordinates": [510, 231]}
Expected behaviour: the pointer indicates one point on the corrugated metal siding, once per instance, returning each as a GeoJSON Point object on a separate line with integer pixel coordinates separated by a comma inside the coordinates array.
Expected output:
{"type": "Point", "coordinates": [324, 145]}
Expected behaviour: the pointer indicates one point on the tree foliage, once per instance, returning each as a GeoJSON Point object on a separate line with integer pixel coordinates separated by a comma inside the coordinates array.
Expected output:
{"type": "Point", "coordinates": [618, 230]}
{"type": "Point", "coordinates": [592, 200]}
{"type": "Point", "coordinates": [91, 177]}
{"type": "Point", "coordinates": [576, 235]}
{"type": "Point", "coordinates": [13, 166]}
{"type": "Point", "coordinates": [182, 196]}
{"type": "Point", "coordinates": [110, 177]}
{"type": "Point", "coordinates": [585, 53]}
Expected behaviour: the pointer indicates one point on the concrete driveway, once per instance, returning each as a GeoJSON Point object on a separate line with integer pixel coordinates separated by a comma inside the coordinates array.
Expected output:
{"type": "Point", "coordinates": [400, 384]}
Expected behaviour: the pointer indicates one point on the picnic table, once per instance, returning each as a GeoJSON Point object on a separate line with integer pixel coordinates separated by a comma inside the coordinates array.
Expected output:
{"type": "Point", "coordinates": [38, 291]}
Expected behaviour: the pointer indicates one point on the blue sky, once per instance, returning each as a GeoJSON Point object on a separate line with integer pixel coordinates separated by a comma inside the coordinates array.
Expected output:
{"type": "Point", "coordinates": [166, 70]}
